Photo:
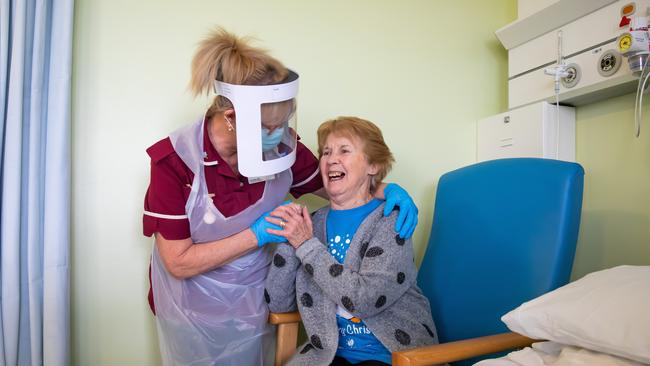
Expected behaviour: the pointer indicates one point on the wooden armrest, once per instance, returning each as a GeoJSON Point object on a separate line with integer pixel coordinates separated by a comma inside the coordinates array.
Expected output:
{"type": "Point", "coordinates": [287, 335]}
{"type": "Point", "coordinates": [284, 318]}
{"type": "Point", "coordinates": [460, 350]}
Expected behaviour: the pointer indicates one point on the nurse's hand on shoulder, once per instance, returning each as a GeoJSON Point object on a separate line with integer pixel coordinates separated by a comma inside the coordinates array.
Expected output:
{"type": "Point", "coordinates": [295, 223]}
{"type": "Point", "coordinates": [407, 219]}
{"type": "Point", "coordinates": [261, 228]}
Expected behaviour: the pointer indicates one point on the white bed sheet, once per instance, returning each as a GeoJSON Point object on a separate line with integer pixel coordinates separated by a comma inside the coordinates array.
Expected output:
{"type": "Point", "coordinates": [555, 354]}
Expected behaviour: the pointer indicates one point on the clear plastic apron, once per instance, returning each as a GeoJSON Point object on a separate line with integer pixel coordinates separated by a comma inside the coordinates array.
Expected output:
{"type": "Point", "coordinates": [219, 317]}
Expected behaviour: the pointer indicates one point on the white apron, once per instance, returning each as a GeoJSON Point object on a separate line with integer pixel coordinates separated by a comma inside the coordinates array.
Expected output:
{"type": "Point", "coordinates": [219, 317]}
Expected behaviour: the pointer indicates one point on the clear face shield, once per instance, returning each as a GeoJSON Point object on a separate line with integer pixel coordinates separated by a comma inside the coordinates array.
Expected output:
{"type": "Point", "coordinates": [266, 125]}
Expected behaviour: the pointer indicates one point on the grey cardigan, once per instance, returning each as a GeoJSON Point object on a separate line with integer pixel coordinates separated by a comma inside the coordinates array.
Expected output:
{"type": "Point", "coordinates": [376, 283]}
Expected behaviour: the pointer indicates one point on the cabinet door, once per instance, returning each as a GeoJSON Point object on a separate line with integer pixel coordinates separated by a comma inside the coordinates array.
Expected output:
{"type": "Point", "coordinates": [517, 133]}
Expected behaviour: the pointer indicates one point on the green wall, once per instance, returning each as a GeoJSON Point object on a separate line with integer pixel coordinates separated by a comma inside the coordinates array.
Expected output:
{"type": "Point", "coordinates": [615, 227]}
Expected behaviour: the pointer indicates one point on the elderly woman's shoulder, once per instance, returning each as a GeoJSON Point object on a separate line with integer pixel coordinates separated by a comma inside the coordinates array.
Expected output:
{"type": "Point", "coordinates": [378, 214]}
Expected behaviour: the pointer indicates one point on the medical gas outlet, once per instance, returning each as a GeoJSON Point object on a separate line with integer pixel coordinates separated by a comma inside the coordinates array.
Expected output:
{"type": "Point", "coordinates": [609, 63]}
{"type": "Point", "coordinates": [567, 75]}
{"type": "Point", "coordinates": [572, 76]}
{"type": "Point", "coordinates": [635, 44]}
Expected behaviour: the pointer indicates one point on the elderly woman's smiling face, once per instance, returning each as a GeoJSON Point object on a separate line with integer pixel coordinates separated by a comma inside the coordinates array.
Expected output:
{"type": "Point", "coordinates": [346, 172]}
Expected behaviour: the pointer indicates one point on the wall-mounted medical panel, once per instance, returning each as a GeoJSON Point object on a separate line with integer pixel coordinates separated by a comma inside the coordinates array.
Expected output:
{"type": "Point", "coordinates": [530, 131]}
{"type": "Point", "coordinates": [577, 36]}
{"type": "Point", "coordinates": [602, 74]}
{"type": "Point", "coordinates": [537, 17]}
{"type": "Point", "coordinates": [589, 43]}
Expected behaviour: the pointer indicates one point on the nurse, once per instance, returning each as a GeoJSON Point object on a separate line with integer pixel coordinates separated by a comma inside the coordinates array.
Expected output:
{"type": "Point", "coordinates": [212, 184]}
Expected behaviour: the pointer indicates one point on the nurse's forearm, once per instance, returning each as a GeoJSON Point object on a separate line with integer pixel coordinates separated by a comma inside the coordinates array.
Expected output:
{"type": "Point", "coordinates": [184, 259]}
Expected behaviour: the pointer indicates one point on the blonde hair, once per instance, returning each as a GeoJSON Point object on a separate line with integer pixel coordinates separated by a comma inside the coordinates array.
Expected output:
{"type": "Point", "coordinates": [374, 146]}
{"type": "Point", "coordinates": [225, 57]}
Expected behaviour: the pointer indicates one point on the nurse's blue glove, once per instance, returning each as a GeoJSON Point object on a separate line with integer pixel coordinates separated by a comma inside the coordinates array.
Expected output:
{"type": "Point", "coordinates": [407, 219]}
{"type": "Point", "coordinates": [259, 229]}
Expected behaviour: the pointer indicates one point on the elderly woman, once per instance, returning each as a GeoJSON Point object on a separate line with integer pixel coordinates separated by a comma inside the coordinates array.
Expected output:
{"type": "Point", "coordinates": [352, 274]}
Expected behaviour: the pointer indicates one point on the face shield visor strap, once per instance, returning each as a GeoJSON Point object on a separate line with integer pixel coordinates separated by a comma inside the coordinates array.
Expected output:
{"type": "Point", "coordinates": [247, 101]}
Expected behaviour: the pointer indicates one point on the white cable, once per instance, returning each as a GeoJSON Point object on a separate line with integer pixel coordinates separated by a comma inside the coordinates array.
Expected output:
{"type": "Point", "coordinates": [636, 108]}
{"type": "Point", "coordinates": [640, 91]}
{"type": "Point", "coordinates": [560, 64]}
{"type": "Point", "coordinates": [638, 102]}
{"type": "Point", "coordinates": [645, 71]}
{"type": "Point", "coordinates": [560, 58]}
{"type": "Point", "coordinates": [636, 105]}
{"type": "Point", "coordinates": [637, 126]}
{"type": "Point", "coordinates": [557, 126]}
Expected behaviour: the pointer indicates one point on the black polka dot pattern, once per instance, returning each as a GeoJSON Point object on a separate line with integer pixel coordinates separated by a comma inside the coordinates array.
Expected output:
{"type": "Point", "coordinates": [306, 300]}
{"type": "Point", "coordinates": [309, 269]}
{"type": "Point", "coordinates": [381, 301]}
{"type": "Point", "coordinates": [279, 260]}
{"type": "Point", "coordinates": [347, 303]}
{"type": "Point", "coordinates": [336, 269]}
{"type": "Point", "coordinates": [431, 334]}
{"type": "Point", "coordinates": [401, 277]}
{"type": "Point", "coordinates": [267, 298]}
{"type": "Point", "coordinates": [315, 340]}
{"type": "Point", "coordinates": [306, 349]}
{"type": "Point", "coordinates": [402, 337]}
{"type": "Point", "coordinates": [399, 241]}
{"type": "Point", "coordinates": [374, 252]}
{"type": "Point", "coordinates": [364, 247]}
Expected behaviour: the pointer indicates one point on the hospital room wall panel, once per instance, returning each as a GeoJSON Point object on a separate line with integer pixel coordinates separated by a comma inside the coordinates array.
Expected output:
{"type": "Point", "coordinates": [615, 227]}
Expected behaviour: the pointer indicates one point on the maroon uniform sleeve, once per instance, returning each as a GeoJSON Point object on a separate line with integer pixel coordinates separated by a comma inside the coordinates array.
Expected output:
{"type": "Point", "coordinates": [169, 187]}
{"type": "Point", "coordinates": [306, 175]}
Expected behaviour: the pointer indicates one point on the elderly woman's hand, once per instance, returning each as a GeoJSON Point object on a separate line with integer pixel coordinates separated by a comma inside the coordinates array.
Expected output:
{"type": "Point", "coordinates": [295, 222]}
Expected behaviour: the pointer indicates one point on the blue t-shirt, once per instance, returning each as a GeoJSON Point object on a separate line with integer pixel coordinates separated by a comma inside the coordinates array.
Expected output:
{"type": "Point", "coordinates": [356, 341]}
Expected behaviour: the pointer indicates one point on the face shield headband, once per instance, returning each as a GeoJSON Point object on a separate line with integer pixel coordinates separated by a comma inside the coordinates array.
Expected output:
{"type": "Point", "coordinates": [254, 151]}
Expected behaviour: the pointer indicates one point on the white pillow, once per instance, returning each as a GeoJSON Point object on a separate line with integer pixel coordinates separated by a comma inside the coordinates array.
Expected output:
{"type": "Point", "coordinates": [606, 311]}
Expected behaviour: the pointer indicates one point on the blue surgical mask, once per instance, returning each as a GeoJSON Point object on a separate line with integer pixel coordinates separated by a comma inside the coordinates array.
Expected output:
{"type": "Point", "coordinates": [271, 140]}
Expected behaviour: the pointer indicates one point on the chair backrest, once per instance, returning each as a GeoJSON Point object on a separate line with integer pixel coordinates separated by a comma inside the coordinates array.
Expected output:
{"type": "Point", "coordinates": [504, 232]}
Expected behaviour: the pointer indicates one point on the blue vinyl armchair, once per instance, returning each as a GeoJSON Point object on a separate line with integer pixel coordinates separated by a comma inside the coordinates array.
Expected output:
{"type": "Point", "coordinates": [504, 232]}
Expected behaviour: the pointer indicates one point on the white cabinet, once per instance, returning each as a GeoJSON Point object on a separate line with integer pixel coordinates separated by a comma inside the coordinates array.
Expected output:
{"type": "Point", "coordinates": [530, 131]}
